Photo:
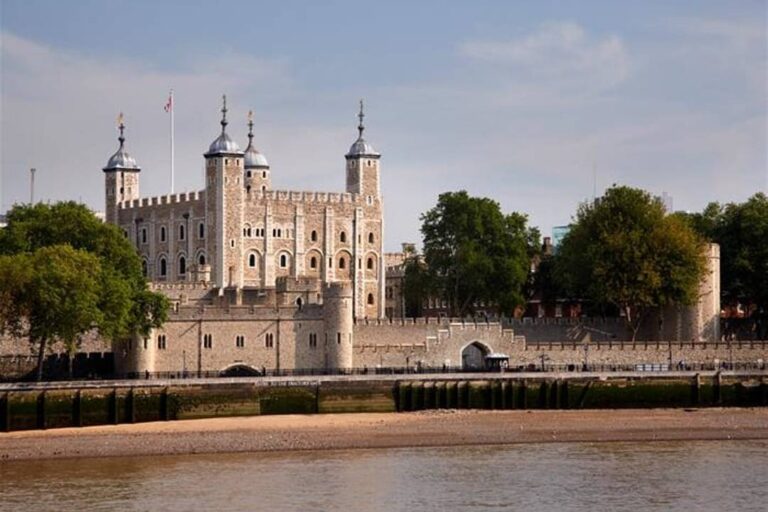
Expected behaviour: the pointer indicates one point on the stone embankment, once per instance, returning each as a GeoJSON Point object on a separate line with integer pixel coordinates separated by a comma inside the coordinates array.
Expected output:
{"type": "Point", "coordinates": [73, 404]}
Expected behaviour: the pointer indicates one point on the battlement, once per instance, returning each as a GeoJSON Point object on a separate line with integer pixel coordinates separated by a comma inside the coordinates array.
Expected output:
{"type": "Point", "coordinates": [182, 197]}
{"type": "Point", "coordinates": [302, 197]}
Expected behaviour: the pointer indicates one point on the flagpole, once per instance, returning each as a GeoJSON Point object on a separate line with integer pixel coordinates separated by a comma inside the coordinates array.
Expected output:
{"type": "Point", "coordinates": [173, 107]}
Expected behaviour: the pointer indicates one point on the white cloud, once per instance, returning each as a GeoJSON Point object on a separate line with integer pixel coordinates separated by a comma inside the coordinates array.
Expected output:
{"type": "Point", "coordinates": [557, 52]}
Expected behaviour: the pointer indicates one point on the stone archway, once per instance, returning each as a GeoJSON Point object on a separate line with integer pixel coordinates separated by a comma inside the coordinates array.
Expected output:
{"type": "Point", "coordinates": [473, 356]}
{"type": "Point", "coordinates": [240, 370]}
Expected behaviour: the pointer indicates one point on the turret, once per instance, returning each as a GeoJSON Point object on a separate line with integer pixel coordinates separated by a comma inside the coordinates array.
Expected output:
{"type": "Point", "coordinates": [363, 165]}
{"type": "Point", "coordinates": [338, 310]}
{"type": "Point", "coordinates": [121, 177]}
{"type": "Point", "coordinates": [256, 166]}
{"type": "Point", "coordinates": [224, 204]}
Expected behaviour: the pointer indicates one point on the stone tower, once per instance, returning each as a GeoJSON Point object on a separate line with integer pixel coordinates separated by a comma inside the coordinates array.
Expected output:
{"type": "Point", "coordinates": [121, 177]}
{"type": "Point", "coordinates": [339, 324]}
{"type": "Point", "coordinates": [363, 166]}
{"type": "Point", "coordinates": [368, 244]}
{"type": "Point", "coordinates": [224, 206]}
{"type": "Point", "coordinates": [256, 166]}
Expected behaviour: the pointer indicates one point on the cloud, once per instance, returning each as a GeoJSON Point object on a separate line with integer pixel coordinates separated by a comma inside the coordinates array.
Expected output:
{"type": "Point", "coordinates": [556, 52]}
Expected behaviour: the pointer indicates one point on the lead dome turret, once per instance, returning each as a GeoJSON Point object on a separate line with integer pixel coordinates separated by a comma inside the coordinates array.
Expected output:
{"type": "Point", "coordinates": [121, 160]}
{"type": "Point", "coordinates": [223, 144]}
{"type": "Point", "coordinates": [253, 158]}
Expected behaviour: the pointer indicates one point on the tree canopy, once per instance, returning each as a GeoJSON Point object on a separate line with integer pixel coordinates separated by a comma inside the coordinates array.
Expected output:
{"type": "Point", "coordinates": [473, 252]}
{"type": "Point", "coordinates": [63, 273]}
{"type": "Point", "coordinates": [624, 251]}
{"type": "Point", "coordinates": [741, 229]}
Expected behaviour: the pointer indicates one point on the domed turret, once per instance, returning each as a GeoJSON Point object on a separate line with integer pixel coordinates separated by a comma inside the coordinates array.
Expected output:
{"type": "Point", "coordinates": [360, 147]}
{"type": "Point", "coordinates": [256, 166]}
{"type": "Point", "coordinates": [253, 159]}
{"type": "Point", "coordinates": [121, 160]}
{"type": "Point", "coordinates": [121, 177]}
{"type": "Point", "coordinates": [223, 145]}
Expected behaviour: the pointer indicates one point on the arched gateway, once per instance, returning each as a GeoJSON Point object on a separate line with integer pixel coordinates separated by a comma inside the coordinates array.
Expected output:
{"type": "Point", "coordinates": [473, 356]}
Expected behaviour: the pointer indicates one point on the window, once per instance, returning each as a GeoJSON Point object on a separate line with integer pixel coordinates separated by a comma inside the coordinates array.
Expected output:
{"type": "Point", "coordinates": [370, 299]}
{"type": "Point", "coordinates": [269, 340]}
{"type": "Point", "coordinates": [312, 340]}
{"type": "Point", "coordinates": [369, 264]}
{"type": "Point", "coordinates": [163, 267]}
{"type": "Point", "coordinates": [283, 261]}
{"type": "Point", "coordinates": [248, 189]}
{"type": "Point", "coordinates": [342, 263]}
{"type": "Point", "coordinates": [162, 233]}
{"type": "Point", "coordinates": [247, 231]}
{"type": "Point", "coordinates": [338, 338]}
{"type": "Point", "coordinates": [161, 345]}
{"type": "Point", "coordinates": [264, 174]}
{"type": "Point", "coordinates": [207, 340]}
{"type": "Point", "coordinates": [370, 238]}
{"type": "Point", "coordinates": [240, 341]}
{"type": "Point", "coordinates": [343, 237]}
{"type": "Point", "coordinates": [263, 188]}
{"type": "Point", "coordinates": [182, 265]}
{"type": "Point", "coordinates": [313, 262]}
{"type": "Point", "coordinates": [252, 260]}
{"type": "Point", "coordinates": [313, 236]}
{"type": "Point", "coordinates": [181, 232]}
{"type": "Point", "coordinates": [201, 259]}
{"type": "Point", "coordinates": [248, 174]}
{"type": "Point", "coordinates": [143, 235]}
{"type": "Point", "coordinates": [144, 268]}
{"type": "Point", "coordinates": [201, 231]}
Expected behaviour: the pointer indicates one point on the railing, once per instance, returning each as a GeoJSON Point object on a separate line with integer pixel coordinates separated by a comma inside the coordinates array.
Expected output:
{"type": "Point", "coordinates": [531, 367]}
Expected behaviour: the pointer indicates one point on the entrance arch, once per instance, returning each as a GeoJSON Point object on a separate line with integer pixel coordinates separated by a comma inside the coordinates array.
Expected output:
{"type": "Point", "coordinates": [240, 370]}
{"type": "Point", "coordinates": [473, 355]}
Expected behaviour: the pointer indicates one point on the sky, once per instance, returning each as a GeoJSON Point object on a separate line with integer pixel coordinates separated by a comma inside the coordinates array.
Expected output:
{"type": "Point", "coordinates": [538, 105]}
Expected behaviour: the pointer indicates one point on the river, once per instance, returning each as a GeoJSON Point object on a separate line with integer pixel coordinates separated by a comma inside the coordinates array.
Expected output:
{"type": "Point", "coordinates": [663, 476]}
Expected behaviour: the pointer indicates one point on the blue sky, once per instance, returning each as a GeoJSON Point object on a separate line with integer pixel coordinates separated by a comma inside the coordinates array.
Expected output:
{"type": "Point", "coordinates": [523, 102]}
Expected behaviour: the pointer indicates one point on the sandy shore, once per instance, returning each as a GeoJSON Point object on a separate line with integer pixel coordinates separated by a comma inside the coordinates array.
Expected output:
{"type": "Point", "coordinates": [347, 431]}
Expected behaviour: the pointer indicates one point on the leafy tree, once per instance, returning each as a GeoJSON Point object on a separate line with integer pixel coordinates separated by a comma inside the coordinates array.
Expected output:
{"type": "Point", "coordinates": [473, 252]}
{"type": "Point", "coordinates": [741, 229]}
{"type": "Point", "coordinates": [623, 251]}
{"type": "Point", "coordinates": [416, 285]}
{"type": "Point", "coordinates": [70, 236]}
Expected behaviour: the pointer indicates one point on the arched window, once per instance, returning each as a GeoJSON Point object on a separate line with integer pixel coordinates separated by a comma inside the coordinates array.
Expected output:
{"type": "Point", "coordinates": [181, 232]}
{"type": "Point", "coordinates": [313, 262]}
{"type": "Point", "coordinates": [248, 189]}
{"type": "Point", "coordinates": [247, 231]}
{"type": "Point", "coordinates": [201, 231]}
{"type": "Point", "coordinates": [263, 174]}
{"type": "Point", "coordinates": [370, 299]}
{"type": "Point", "coordinates": [248, 174]}
{"type": "Point", "coordinates": [182, 265]}
{"type": "Point", "coordinates": [162, 233]}
{"type": "Point", "coordinates": [144, 268]}
{"type": "Point", "coordinates": [369, 264]}
{"type": "Point", "coordinates": [370, 238]}
{"type": "Point", "coordinates": [313, 236]}
{"type": "Point", "coordinates": [343, 237]}
{"type": "Point", "coordinates": [342, 263]}
{"type": "Point", "coordinates": [252, 260]}
{"type": "Point", "coordinates": [283, 261]}
{"type": "Point", "coordinates": [163, 267]}
{"type": "Point", "coordinates": [143, 235]}
{"type": "Point", "coordinates": [201, 259]}
{"type": "Point", "coordinates": [263, 188]}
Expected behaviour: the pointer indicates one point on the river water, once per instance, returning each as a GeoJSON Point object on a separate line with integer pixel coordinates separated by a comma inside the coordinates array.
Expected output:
{"type": "Point", "coordinates": [663, 476]}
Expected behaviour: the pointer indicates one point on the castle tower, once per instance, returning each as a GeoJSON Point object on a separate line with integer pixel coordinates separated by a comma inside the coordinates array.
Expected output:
{"type": "Point", "coordinates": [256, 166]}
{"type": "Point", "coordinates": [368, 264]}
{"type": "Point", "coordinates": [338, 310]}
{"type": "Point", "coordinates": [224, 207]}
{"type": "Point", "coordinates": [363, 165]}
{"type": "Point", "coordinates": [121, 177]}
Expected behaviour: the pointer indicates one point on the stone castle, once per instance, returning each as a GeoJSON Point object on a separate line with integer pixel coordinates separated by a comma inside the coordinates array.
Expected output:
{"type": "Point", "coordinates": [264, 280]}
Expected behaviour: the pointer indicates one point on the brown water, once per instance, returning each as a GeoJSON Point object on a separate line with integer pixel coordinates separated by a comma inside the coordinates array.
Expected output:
{"type": "Point", "coordinates": [665, 476]}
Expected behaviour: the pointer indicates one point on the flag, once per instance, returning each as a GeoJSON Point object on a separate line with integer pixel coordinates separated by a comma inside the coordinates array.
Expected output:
{"type": "Point", "coordinates": [169, 106]}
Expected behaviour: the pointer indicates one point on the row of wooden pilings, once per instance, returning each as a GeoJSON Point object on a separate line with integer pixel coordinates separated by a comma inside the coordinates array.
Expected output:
{"type": "Point", "coordinates": [494, 394]}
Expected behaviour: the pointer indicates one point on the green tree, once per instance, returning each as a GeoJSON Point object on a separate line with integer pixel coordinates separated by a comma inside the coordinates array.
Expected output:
{"type": "Point", "coordinates": [741, 230]}
{"type": "Point", "coordinates": [473, 252]}
{"type": "Point", "coordinates": [125, 305]}
{"type": "Point", "coordinates": [623, 251]}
